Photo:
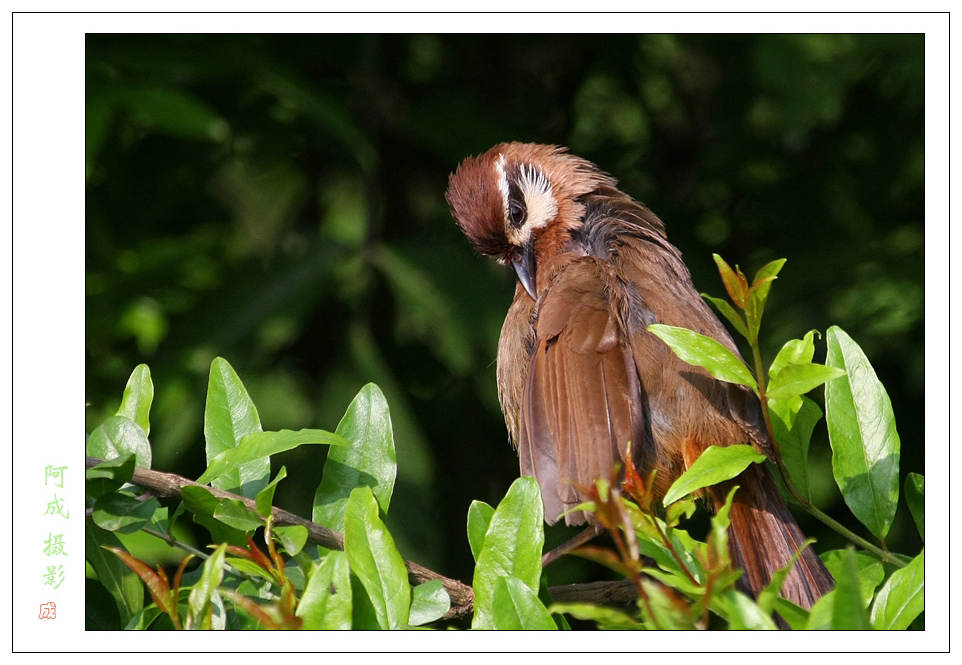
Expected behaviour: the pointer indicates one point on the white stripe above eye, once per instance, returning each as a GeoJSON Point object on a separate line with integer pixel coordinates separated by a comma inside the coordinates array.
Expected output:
{"type": "Point", "coordinates": [538, 200]}
{"type": "Point", "coordinates": [502, 185]}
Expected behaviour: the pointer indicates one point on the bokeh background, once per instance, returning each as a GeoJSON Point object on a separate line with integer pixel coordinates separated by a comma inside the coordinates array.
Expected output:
{"type": "Point", "coordinates": [278, 200]}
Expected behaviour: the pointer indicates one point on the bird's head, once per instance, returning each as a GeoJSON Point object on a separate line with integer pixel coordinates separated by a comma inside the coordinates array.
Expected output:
{"type": "Point", "coordinates": [519, 203]}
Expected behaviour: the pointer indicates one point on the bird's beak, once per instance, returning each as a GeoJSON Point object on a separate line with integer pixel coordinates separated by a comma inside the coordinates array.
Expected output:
{"type": "Point", "coordinates": [525, 265]}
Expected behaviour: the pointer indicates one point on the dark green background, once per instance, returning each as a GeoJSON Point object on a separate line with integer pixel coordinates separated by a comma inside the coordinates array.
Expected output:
{"type": "Point", "coordinates": [278, 201]}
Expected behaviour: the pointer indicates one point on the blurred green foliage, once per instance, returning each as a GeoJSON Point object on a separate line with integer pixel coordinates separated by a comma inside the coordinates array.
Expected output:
{"type": "Point", "coordinates": [278, 200]}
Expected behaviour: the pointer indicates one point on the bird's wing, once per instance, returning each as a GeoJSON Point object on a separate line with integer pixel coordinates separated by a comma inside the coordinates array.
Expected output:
{"type": "Point", "coordinates": [582, 402]}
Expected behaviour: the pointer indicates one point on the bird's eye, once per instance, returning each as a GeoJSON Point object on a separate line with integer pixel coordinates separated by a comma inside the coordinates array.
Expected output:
{"type": "Point", "coordinates": [515, 213]}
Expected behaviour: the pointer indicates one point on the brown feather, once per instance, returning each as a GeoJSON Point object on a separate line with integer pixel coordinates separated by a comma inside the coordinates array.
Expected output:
{"type": "Point", "coordinates": [580, 376]}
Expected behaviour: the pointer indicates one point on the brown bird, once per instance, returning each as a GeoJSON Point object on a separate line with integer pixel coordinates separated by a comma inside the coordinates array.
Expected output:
{"type": "Point", "coordinates": [579, 374]}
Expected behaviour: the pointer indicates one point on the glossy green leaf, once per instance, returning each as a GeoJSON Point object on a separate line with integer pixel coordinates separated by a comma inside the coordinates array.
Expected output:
{"type": "Point", "coordinates": [729, 313]}
{"type": "Point", "coordinates": [429, 602]}
{"type": "Point", "coordinates": [512, 546]}
{"type": "Point", "coordinates": [479, 518]}
{"type": "Point", "coordinates": [794, 352]}
{"type": "Point", "coordinates": [120, 581]}
{"type": "Point", "coordinates": [201, 603]}
{"type": "Point", "coordinates": [915, 497]}
{"type": "Point", "coordinates": [794, 380]}
{"type": "Point", "coordinates": [516, 607]}
{"type": "Point", "coordinates": [265, 498]}
{"type": "Point", "coordinates": [793, 433]}
{"type": "Point", "coordinates": [109, 475]}
{"type": "Point", "coordinates": [117, 437]}
{"type": "Point", "coordinates": [229, 416]}
{"type": "Point", "coordinates": [849, 610]}
{"type": "Point", "coordinates": [861, 428]}
{"type": "Point", "coordinates": [902, 598]}
{"type": "Point", "coordinates": [368, 461]}
{"type": "Point", "coordinates": [256, 446]}
{"type": "Point", "coordinates": [326, 601]}
{"type": "Point", "coordinates": [138, 396]}
{"type": "Point", "coordinates": [375, 561]}
{"type": "Point", "coordinates": [123, 513]}
{"type": "Point", "coordinates": [716, 464]}
{"type": "Point", "coordinates": [697, 349]}
{"type": "Point", "coordinates": [768, 272]}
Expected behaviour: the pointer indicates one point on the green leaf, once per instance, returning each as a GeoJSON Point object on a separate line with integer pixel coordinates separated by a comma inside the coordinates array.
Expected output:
{"type": "Point", "coordinates": [293, 538]}
{"type": "Point", "coordinates": [201, 602]}
{"type": "Point", "coordinates": [758, 296]}
{"type": "Point", "coordinates": [718, 536]}
{"type": "Point", "coordinates": [793, 432]}
{"type": "Point", "coordinates": [677, 510]}
{"type": "Point", "coordinates": [375, 560]}
{"type": "Point", "coordinates": [915, 497]}
{"type": "Point", "coordinates": [729, 313]}
{"type": "Point", "coordinates": [368, 461]}
{"type": "Point", "coordinates": [429, 602]}
{"type": "Point", "coordinates": [768, 272]}
{"type": "Point", "coordinates": [120, 581]}
{"type": "Point", "coordinates": [326, 601]}
{"type": "Point", "coordinates": [714, 465]}
{"type": "Point", "coordinates": [117, 437]}
{"type": "Point", "coordinates": [848, 607]}
{"type": "Point", "coordinates": [794, 380]}
{"type": "Point", "coordinates": [138, 396]}
{"type": "Point", "coordinates": [651, 545]}
{"type": "Point", "coordinates": [123, 513]}
{"type": "Point", "coordinates": [697, 349]}
{"type": "Point", "coordinates": [236, 515]}
{"type": "Point", "coordinates": [479, 518]}
{"type": "Point", "coordinates": [606, 617]}
{"type": "Point", "coordinates": [745, 614]}
{"type": "Point", "coordinates": [735, 284]}
{"type": "Point", "coordinates": [260, 445]}
{"type": "Point", "coordinates": [861, 428]}
{"type": "Point", "coordinates": [663, 611]}
{"type": "Point", "coordinates": [794, 352]}
{"type": "Point", "coordinates": [902, 598]}
{"type": "Point", "coordinates": [229, 416]}
{"type": "Point", "coordinates": [516, 607]}
{"type": "Point", "coordinates": [796, 617]}
{"type": "Point", "coordinates": [512, 546]}
{"type": "Point", "coordinates": [109, 475]}
{"type": "Point", "coordinates": [265, 498]}
{"type": "Point", "coordinates": [870, 570]}
{"type": "Point", "coordinates": [199, 501]}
